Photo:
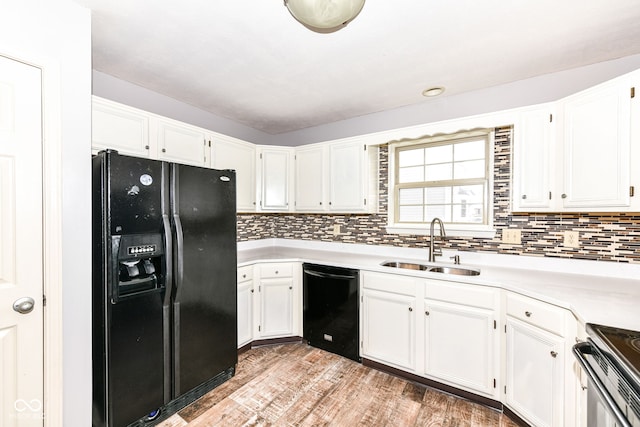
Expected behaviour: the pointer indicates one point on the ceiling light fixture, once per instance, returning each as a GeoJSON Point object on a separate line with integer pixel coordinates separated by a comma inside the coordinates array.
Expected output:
{"type": "Point", "coordinates": [433, 91]}
{"type": "Point", "coordinates": [324, 16]}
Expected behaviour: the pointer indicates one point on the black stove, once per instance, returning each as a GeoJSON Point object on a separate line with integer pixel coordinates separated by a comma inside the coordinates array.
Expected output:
{"type": "Point", "coordinates": [611, 359]}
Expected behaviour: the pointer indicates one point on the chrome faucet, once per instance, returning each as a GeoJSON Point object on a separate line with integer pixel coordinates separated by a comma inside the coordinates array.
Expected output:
{"type": "Point", "coordinates": [432, 251]}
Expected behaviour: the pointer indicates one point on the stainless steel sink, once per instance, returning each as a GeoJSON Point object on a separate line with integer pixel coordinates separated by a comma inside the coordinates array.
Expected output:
{"type": "Point", "coordinates": [408, 265]}
{"type": "Point", "coordinates": [455, 270]}
{"type": "Point", "coordinates": [460, 271]}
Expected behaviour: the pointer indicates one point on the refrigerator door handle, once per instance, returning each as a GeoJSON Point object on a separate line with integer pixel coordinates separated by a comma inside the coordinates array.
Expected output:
{"type": "Point", "coordinates": [166, 307]}
{"type": "Point", "coordinates": [179, 255]}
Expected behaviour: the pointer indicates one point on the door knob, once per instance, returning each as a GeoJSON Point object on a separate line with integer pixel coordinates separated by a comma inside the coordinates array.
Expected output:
{"type": "Point", "coordinates": [24, 305]}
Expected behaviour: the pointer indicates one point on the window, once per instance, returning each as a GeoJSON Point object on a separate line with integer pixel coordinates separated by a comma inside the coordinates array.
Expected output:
{"type": "Point", "coordinates": [445, 177]}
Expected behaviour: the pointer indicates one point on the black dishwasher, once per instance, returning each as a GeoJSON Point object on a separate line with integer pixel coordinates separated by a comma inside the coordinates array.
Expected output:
{"type": "Point", "coordinates": [330, 309]}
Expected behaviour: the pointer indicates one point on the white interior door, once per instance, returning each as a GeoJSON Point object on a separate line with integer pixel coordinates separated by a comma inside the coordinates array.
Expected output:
{"type": "Point", "coordinates": [21, 334]}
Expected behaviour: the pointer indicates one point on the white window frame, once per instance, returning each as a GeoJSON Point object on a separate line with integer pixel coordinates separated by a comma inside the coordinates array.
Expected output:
{"type": "Point", "coordinates": [452, 229]}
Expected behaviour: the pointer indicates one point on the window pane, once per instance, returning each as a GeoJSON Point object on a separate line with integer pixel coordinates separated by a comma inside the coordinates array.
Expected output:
{"type": "Point", "coordinates": [411, 196]}
{"type": "Point", "coordinates": [412, 174]}
{"type": "Point", "coordinates": [469, 150]}
{"type": "Point", "coordinates": [439, 154]}
{"type": "Point", "coordinates": [411, 214]}
{"type": "Point", "coordinates": [468, 194]}
{"type": "Point", "coordinates": [437, 211]}
{"type": "Point", "coordinates": [438, 195]}
{"type": "Point", "coordinates": [468, 213]}
{"type": "Point", "coordinates": [411, 157]}
{"type": "Point", "coordinates": [439, 172]}
{"type": "Point", "coordinates": [469, 169]}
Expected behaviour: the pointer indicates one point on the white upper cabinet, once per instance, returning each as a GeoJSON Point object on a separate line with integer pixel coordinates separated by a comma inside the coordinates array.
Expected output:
{"type": "Point", "coordinates": [181, 143]}
{"type": "Point", "coordinates": [118, 127]}
{"type": "Point", "coordinates": [336, 177]}
{"type": "Point", "coordinates": [597, 142]}
{"type": "Point", "coordinates": [581, 160]}
{"type": "Point", "coordinates": [534, 159]}
{"type": "Point", "coordinates": [310, 178]}
{"type": "Point", "coordinates": [231, 153]}
{"type": "Point", "coordinates": [347, 178]}
{"type": "Point", "coordinates": [274, 170]}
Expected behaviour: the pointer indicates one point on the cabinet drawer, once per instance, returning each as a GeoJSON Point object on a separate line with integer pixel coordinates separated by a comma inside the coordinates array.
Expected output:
{"type": "Point", "coordinates": [389, 283]}
{"type": "Point", "coordinates": [245, 273]}
{"type": "Point", "coordinates": [276, 270]}
{"type": "Point", "coordinates": [536, 313]}
{"type": "Point", "coordinates": [470, 295]}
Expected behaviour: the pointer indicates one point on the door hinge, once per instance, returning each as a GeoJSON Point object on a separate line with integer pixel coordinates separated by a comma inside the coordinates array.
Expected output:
{"type": "Point", "coordinates": [365, 202]}
{"type": "Point", "coordinates": [258, 328]}
{"type": "Point", "coordinates": [260, 156]}
{"type": "Point", "coordinates": [361, 298]}
{"type": "Point", "coordinates": [550, 118]}
{"type": "Point", "coordinates": [631, 191]}
{"type": "Point", "coordinates": [259, 290]}
{"type": "Point", "coordinates": [494, 383]}
{"type": "Point", "coordinates": [505, 389]}
{"type": "Point", "coordinates": [495, 325]}
{"type": "Point", "coordinates": [44, 300]}
{"type": "Point", "coordinates": [633, 92]}
{"type": "Point", "coordinates": [365, 147]}
{"type": "Point", "coordinates": [361, 345]}
{"type": "Point", "coordinates": [505, 329]}
{"type": "Point", "coordinates": [209, 143]}
{"type": "Point", "coordinates": [549, 195]}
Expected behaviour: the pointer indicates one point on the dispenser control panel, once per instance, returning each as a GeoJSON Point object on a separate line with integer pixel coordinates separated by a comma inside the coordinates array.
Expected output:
{"type": "Point", "coordinates": [141, 250]}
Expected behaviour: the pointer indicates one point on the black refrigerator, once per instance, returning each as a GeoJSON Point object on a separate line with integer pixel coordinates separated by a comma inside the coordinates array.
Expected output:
{"type": "Point", "coordinates": [164, 286]}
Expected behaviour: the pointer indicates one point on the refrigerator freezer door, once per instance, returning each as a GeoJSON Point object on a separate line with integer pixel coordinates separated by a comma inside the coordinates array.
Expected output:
{"type": "Point", "coordinates": [204, 216]}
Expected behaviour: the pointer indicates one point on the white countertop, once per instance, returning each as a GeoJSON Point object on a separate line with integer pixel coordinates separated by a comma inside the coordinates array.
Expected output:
{"type": "Point", "coordinates": [599, 292]}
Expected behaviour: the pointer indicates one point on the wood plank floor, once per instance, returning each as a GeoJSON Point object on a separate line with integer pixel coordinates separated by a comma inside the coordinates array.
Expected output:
{"type": "Point", "coordinates": [298, 385]}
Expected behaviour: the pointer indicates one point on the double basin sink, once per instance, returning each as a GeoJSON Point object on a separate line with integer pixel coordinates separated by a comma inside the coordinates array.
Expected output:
{"type": "Point", "coordinates": [460, 271]}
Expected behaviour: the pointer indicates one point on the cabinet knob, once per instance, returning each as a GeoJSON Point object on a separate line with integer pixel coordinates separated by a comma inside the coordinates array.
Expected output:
{"type": "Point", "coordinates": [524, 196]}
{"type": "Point", "coordinates": [528, 313]}
{"type": "Point", "coordinates": [426, 313]}
{"type": "Point", "coordinates": [290, 287]}
{"type": "Point", "coordinates": [146, 147]}
{"type": "Point", "coordinates": [164, 151]}
{"type": "Point", "coordinates": [320, 203]}
{"type": "Point", "coordinates": [554, 353]}
{"type": "Point", "coordinates": [251, 290]}
{"type": "Point", "coordinates": [244, 276]}
{"type": "Point", "coordinates": [410, 309]}
{"type": "Point", "coordinates": [564, 196]}
{"type": "Point", "coordinates": [276, 271]}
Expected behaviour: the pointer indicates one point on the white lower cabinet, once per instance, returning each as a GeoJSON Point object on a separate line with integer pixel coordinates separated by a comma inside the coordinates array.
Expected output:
{"type": "Point", "coordinates": [388, 319]}
{"type": "Point", "coordinates": [277, 305]}
{"type": "Point", "coordinates": [245, 305]}
{"type": "Point", "coordinates": [460, 346]}
{"type": "Point", "coordinates": [536, 355]}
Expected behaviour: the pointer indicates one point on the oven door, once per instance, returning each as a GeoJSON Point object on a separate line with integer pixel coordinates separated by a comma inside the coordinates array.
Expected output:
{"type": "Point", "coordinates": [602, 410]}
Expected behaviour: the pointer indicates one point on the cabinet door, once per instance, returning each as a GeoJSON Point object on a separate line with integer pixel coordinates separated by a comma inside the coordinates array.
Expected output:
{"type": "Point", "coordinates": [119, 128]}
{"type": "Point", "coordinates": [388, 328]}
{"type": "Point", "coordinates": [245, 313]}
{"type": "Point", "coordinates": [309, 179]}
{"type": "Point", "coordinates": [276, 308]}
{"type": "Point", "coordinates": [181, 143]}
{"type": "Point", "coordinates": [347, 164]}
{"type": "Point", "coordinates": [241, 157]}
{"type": "Point", "coordinates": [597, 147]}
{"type": "Point", "coordinates": [275, 170]}
{"type": "Point", "coordinates": [460, 346]}
{"type": "Point", "coordinates": [534, 374]}
{"type": "Point", "coordinates": [533, 162]}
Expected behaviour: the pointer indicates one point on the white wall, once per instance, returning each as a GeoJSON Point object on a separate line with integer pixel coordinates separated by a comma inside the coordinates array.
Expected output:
{"type": "Point", "coordinates": [531, 91]}
{"type": "Point", "coordinates": [56, 36]}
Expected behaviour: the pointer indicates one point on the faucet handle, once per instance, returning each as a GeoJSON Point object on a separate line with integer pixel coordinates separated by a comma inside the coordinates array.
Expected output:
{"type": "Point", "coordinates": [456, 259]}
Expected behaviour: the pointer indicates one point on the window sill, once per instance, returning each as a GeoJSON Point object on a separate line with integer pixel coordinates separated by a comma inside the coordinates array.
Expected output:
{"type": "Point", "coordinates": [453, 230]}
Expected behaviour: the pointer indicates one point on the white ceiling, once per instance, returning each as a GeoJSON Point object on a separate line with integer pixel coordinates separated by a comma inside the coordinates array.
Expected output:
{"type": "Point", "coordinates": [251, 62]}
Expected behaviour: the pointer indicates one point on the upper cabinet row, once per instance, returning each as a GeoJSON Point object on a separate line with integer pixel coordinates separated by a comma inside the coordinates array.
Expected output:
{"type": "Point", "coordinates": [576, 154]}
{"type": "Point", "coordinates": [327, 177]}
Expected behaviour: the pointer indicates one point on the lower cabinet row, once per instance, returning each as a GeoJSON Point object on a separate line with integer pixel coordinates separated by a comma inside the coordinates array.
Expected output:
{"type": "Point", "coordinates": [495, 344]}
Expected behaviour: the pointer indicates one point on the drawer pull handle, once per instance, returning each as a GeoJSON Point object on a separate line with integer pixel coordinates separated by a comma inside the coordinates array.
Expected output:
{"type": "Point", "coordinates": [554, 353]}
{"type": "Point", "coordinates": [528, 313]}
{"type": "Point", "coordinates": [410, 309]}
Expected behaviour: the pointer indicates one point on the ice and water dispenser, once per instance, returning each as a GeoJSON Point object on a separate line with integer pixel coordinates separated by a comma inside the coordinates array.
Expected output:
{"type": "Point", "coordinates": [138, 264]}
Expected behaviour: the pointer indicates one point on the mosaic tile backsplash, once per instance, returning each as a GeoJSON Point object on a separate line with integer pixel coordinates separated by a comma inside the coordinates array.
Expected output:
{"type": "Point", "coordinates": [611, 237]}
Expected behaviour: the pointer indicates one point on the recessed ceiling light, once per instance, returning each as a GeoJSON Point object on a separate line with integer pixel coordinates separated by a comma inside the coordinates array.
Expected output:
{"type": "Point", "coordinates": [433, 91]}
